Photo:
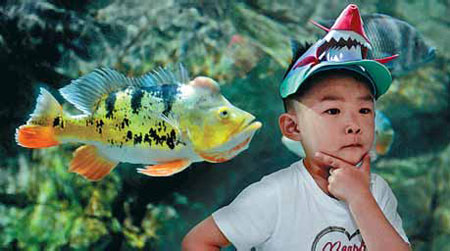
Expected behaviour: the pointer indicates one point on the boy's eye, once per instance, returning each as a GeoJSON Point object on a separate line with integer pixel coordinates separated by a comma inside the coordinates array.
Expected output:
{"type": "Point", "coordinates": [333, 111]}
{"type": "Point", "coordinates": [365, 111]}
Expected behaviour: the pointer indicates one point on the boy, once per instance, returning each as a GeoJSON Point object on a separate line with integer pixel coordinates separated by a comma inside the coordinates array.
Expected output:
{"type": "Point", "coordinates": [329, 200]}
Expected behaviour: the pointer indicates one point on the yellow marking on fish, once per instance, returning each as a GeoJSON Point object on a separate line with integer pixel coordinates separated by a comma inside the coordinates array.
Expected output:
{"type": "Point", "coordinates": [224, 156]}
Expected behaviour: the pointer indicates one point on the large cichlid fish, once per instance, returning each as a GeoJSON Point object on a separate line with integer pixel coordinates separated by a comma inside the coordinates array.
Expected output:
{"type": "Point", "coordinates": [161, 119]}
{"type": "Point", "coordinates": [390, 36]}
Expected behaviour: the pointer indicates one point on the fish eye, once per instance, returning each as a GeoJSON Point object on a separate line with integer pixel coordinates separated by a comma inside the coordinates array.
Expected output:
{"type": "Point", "coordinates": [224, 113]}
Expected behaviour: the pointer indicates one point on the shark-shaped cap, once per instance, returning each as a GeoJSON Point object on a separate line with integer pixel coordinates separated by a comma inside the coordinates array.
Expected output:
{"type": "Point", "coordinates": [344, 46]}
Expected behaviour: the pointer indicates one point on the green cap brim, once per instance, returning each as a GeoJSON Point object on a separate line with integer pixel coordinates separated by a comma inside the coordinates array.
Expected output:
{"type": "Point", "coordinates": [378, 73]}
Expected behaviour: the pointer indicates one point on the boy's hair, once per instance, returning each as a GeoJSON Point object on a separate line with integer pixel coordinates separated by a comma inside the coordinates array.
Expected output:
{"type": "Point", "coordinates": [317, 77]}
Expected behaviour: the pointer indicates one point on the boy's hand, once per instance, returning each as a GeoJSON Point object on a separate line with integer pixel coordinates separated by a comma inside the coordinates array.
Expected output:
{"type": "Point", "coordinates": [347, 182]}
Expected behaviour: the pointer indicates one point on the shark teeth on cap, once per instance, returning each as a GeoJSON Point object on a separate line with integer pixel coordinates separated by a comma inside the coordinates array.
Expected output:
{"type": "Point", "coordinates": [344, 34]}
{"type": "Point", "coordinates": [336, 54]}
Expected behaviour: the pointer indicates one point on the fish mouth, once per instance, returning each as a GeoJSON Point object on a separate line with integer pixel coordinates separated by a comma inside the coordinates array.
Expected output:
{"type": "Point", "coordinates": [430, 55]}
{"type": "Point", "coordinates": [250, 125]}
{"type": "Point", "coordinates": [245, 130]}
{"type": "Point", "coordinates": [239, 139]}
{"type": "Point", "coordinates": [235, 145]}
{"type": "Point", "coordinates": [342, 45]}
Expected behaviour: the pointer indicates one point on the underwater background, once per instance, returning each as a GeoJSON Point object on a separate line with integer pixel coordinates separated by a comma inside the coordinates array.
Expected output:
{"type": "Point", "coordinates": [245, 46]}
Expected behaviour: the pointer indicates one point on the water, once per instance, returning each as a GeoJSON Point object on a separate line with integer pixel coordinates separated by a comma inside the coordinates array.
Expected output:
{"type": "Point", "coordinates": [244, 45]}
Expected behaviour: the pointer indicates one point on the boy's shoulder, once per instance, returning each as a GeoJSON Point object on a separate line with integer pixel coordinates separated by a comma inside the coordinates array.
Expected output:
{"type": "Point", "coordinates": [379, 186]}
{"type": "Point", "coordinates": [283, 176]}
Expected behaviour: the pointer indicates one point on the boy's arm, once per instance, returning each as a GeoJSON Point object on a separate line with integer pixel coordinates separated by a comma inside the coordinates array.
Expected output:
{"type": "Point", "coordinates": [352, 185]}
{"type": "Point", "coordinates": [205, 236]}
{"type": "Point", "coordinates": [377, 232]}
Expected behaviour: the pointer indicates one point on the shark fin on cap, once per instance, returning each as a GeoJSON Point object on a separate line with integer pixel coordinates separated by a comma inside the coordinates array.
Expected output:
{"type": "Point", "coordinates": [386, 59]}
{"type": "Point", "coordinates": [319, 25]}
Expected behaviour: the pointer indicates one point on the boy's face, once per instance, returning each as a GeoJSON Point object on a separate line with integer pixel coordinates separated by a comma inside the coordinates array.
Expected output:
{"type": "Point", "coordinates": [336, 116]}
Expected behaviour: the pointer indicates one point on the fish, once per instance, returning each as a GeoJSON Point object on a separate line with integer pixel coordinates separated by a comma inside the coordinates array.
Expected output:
{"type": "Point", "coordinates": [384, 138]}
{"type": "Point", "coordinates": [384, 134]}
{"type": "Point", "coordinates": [390, 36]}
{"type": "Point", "coordinates": [162, 120]}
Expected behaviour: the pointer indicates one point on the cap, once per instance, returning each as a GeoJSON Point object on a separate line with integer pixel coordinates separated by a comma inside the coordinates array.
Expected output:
{"type": "Point", "coordinates": [344, 47]}
{"type": "Point", "coordinates": [377, 74]}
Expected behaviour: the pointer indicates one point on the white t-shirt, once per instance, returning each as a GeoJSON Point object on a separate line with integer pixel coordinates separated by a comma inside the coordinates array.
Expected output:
{"type": "Point", "coordinates": [287, 210]}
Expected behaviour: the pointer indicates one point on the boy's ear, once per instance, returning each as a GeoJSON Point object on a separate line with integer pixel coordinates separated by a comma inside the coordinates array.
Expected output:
{"type": "Point", "coordinates": [289, 127]}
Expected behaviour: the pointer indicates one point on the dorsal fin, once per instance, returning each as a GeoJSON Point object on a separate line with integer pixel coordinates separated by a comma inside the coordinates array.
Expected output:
{"type": "Point", "coordinates": [164, 76]}
{"type": "Point", "coordinates": [84, 92]}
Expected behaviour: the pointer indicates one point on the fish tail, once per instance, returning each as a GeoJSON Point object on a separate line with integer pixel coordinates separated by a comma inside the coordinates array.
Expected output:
{"type": "Point", "coordinates": [34, 136]}
{"type": "Point", "coordinates": [39, 132]}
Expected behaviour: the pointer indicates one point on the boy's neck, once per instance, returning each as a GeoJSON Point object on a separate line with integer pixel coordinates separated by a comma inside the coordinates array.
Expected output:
{"type": "Point", "coordinates": [319, 173]}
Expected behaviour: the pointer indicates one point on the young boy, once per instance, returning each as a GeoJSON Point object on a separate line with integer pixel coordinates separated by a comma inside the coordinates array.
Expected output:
{"type": "Point", "coordinates": [329, 200]}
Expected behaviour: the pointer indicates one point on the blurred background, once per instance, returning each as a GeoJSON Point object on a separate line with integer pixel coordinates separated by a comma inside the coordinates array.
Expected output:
{"type": "Point", "coordinates": [245, 46]}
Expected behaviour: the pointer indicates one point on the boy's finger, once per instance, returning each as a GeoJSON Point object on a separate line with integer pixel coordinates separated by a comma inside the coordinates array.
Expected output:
{"type": "Point", "coordinates": [366, 163]}
{"type": "Point", "coordinates": [330, 160]}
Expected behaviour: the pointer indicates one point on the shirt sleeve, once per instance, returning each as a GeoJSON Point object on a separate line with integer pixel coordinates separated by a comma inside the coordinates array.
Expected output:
{"type": "Point", "coordinates": [250, 219]}
{"type": "Point", "coordinates": [388, 204]}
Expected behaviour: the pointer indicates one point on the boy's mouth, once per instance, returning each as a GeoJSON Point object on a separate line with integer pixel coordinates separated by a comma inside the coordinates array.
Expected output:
{"type": "Point", "coordinates": [352, 145]}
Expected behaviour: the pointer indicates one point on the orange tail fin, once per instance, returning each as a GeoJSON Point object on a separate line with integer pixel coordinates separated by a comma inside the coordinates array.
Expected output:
{"type": "Point", "coordinates": [39, 131]}
{"type": "Point", "coordinates": [34, 136]}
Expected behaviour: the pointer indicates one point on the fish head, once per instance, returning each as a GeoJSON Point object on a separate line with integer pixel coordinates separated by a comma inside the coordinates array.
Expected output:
{"type": "Point", "coordinates": [421, 52]}
{"type": "Point", "coordinates": [217, 129]}
{"type": "Point", "coordinates": [413, 49]}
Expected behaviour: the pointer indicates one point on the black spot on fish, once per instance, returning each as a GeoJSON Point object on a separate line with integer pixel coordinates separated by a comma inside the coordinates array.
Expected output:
{"type": "Point", "coordinates": [167, 92]}
{"type": "Point", "coordinates": [98, 125]}
{"type": "Point", "coordinates": [137, 139]}
{"type": "Point", "coordinates": [155, 137]}
{"type": "Point", "coordinates": [136, 99]}
{"type": "Point", "coordinates": [159, 127]}
{"type": "Point", "coordinates": [129, 135]}
{"type": "Point", "coordinates": [110, 101]}
{"type": "Point", "coordinates": [56, 122]}
{"type": "Point", "coordinates": [169, 139]}
{"type": "Point", "coordinates": [89, 122]}
{"type": "Point", "coordinates": [147, 139]}
{"type": "Point", "coordinates": [111, 141]}
{"type": "Point", "coordinates": [125, 122]}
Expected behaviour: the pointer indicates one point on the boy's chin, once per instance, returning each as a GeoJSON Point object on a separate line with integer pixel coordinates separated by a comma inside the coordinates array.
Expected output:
{"type": "Point", "coordinates": [351, 158]}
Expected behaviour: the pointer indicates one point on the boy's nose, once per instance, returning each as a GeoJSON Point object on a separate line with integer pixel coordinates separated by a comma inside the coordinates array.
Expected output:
{"type": "Point", "coordinates": [352, 129]}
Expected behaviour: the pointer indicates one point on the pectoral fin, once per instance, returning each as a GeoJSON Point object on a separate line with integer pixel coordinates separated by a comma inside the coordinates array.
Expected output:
{"type": "Point", "coordinates": [165, 169]}
{"type": "Point", "coordinates": [89, 164]}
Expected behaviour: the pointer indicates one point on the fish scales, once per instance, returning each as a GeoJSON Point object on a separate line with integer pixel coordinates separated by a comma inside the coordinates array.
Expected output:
{"type": "Point", "coordinates": [127, 117]}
